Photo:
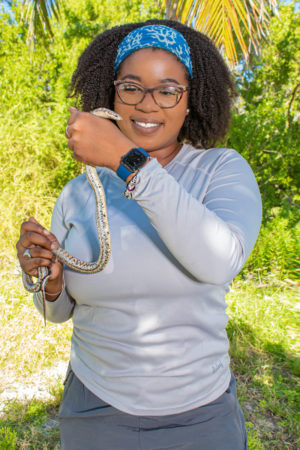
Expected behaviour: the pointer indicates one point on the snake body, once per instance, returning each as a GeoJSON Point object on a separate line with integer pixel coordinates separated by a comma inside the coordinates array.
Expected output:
{"type": "Point", "coordinates": [102, 230]}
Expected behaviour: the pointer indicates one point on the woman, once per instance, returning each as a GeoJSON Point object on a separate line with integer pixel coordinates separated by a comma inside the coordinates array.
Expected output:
{"type": "Point", "coordinates": [149, 362]}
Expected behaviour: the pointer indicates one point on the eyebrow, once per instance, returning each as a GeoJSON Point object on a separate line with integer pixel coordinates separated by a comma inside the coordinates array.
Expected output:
{"type": "Point", "coordinates": [164, 80]}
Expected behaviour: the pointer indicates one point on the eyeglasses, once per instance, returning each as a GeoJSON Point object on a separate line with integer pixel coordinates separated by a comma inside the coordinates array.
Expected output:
{"type": "Point", "coordinates": [165, 96]}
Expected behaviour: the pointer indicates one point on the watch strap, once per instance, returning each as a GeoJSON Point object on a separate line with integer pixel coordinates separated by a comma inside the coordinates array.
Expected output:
{"type": "Point", "coordinates": [143, 151]}
{"type": "Point", "coordinates": [123, 171]}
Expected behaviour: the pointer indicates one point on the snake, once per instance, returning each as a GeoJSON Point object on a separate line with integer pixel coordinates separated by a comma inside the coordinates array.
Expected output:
{"type": "Point", "coordinates": [102, 226]}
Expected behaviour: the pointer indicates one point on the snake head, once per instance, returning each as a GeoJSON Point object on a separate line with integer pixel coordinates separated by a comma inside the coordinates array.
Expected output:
{"type": "Point", "coordinates": [106, 113]}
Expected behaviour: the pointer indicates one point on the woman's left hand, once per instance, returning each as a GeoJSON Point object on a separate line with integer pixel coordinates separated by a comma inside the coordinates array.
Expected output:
{"type": "Point", "coordinates": [96, 141]}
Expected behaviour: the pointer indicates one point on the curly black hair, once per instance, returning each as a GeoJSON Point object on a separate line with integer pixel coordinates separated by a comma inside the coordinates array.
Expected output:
{"type": "Point", "coordinates": [212, 88]}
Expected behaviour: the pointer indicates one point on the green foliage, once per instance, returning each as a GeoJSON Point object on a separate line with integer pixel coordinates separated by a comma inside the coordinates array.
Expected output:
{"type": "Point", "coordinates": [265, 129]}
{"type": "Point", "coordinates": [277, 249]}
{"type": "Point", "coordinates": [7, 438]}
{"type": "Point", "coordinates": [254, 442]}
{"type": "Point", "coordinates": [34, 425]}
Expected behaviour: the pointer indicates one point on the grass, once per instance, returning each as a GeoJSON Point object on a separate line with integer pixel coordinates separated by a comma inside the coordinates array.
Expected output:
{"type": "Point", "coordinates": [32, 366]}
{"type": "Point", "coordinates": [32, 424]}
{"type": "Point", "coordinates": [262, 331]}
{"type": "Point", "coordinates": [263, 336]}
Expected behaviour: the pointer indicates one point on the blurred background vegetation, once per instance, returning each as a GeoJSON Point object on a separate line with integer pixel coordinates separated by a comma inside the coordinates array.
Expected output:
{"type": "Point", "coordinates": [35, 71]}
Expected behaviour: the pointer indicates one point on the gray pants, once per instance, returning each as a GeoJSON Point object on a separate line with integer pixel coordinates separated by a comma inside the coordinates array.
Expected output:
{"type": "Point", "coordinates": [88, 423]}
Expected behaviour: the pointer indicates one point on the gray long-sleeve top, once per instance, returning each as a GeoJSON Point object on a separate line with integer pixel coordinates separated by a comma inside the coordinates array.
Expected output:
{"type": "Point", "coordinates": [149, 330]}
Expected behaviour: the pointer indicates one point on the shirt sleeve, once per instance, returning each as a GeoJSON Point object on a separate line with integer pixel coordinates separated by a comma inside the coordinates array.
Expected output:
{"type": "Point", "coordinates": [213, 237]}
{"type": "Point", "coordinates": [61, 309]}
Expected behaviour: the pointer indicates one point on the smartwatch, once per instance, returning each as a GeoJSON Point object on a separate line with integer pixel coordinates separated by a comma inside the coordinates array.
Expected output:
{"type": "Point", "coordinates": [131, 162]}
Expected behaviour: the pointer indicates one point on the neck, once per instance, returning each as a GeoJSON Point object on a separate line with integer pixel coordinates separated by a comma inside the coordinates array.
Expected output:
{"type": "Point", "coordinates": [164, 157]}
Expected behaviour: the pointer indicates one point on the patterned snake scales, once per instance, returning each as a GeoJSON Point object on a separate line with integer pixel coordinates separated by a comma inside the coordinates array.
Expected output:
{"type": "Point", "coordinates": [102, 229]}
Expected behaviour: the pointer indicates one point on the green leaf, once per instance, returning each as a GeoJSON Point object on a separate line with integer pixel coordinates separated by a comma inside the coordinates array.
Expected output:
{"type": "Point", "coordinates": [227, 22]}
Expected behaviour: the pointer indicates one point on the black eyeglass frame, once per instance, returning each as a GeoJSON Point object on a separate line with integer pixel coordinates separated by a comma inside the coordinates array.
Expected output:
{"type": "Point", "coordinates": [150, 90]}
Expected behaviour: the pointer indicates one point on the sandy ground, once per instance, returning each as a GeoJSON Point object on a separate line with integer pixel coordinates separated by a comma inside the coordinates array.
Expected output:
{"type": "Point", "coordinates": [36, 388]}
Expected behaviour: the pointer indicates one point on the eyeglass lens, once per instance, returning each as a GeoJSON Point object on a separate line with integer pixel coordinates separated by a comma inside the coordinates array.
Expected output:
{"type": "Point", "coordinates": [164, 96]}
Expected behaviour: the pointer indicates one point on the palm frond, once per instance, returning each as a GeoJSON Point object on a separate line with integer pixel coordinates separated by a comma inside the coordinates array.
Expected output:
{"type": "Point", "coordinates": [229, 23]}
{"type": "Point", "coordinates": [36, 13]}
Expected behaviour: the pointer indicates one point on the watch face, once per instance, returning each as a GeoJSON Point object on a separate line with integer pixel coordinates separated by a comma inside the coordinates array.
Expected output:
{"type": "Point", "coordinates": [134, 159]}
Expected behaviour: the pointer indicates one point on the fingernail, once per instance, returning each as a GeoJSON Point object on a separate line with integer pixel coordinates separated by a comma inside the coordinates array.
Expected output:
{"type": "Point", "coordinates": [53, 246]}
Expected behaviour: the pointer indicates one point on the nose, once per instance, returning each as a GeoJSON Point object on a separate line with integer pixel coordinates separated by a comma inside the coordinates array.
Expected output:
{"type": "Point", "coordinates": [147, 104]}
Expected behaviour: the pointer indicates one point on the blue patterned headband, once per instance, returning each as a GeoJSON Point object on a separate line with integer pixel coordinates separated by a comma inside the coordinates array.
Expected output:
{"type": "Point", "coordinates": [158, 36]}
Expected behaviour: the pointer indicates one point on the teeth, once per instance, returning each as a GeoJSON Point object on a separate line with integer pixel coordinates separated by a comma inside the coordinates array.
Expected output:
{"type": "Point", "coordinates": [146, 124]}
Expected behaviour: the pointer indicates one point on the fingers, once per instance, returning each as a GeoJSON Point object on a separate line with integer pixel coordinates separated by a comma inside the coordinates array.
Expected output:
{"type": "Point", "coordinates": [67, 132]}
{"type": "Point", "coordinates": [35, 257]}
{"type": "Point", "coordinates": [79, 120]}
{"type": "Point", "coordinates": [40, 243]}
{"type": "Point", "coordinates": [69, 129]}
{"type": "Point", "coordinates": [31, 265]}
{"type": "Point", "coordinates": [32, 219]}
{"type": "Point", "coordinates": [94, 140]}
{"type": "Point", "coordinates": [84, 132]}
{"type": "Point", "coordinates": [31, 238]}
{"type": "Point", "coordinates": [71, 145]}
{"type": "Point", "coordinates": [32, 225]}
{"type": "Point", "coordinates": [39, 235]}
{"type": "Point", "coordinates": [41, 253]}
{"type": "Point", "coordinates": [76, 123]}
{"type": "Point", "coordinates": [74, 114]}
{"type": "Point", "coordinates": [72, 127]}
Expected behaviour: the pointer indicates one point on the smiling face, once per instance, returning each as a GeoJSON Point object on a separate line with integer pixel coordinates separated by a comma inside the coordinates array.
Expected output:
{"type": "Point", "coordinates": [149, 126]}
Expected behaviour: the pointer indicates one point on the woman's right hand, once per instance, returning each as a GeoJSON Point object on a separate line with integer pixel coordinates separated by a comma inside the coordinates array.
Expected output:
{"type": "Point", "coordinates": [40, 243]}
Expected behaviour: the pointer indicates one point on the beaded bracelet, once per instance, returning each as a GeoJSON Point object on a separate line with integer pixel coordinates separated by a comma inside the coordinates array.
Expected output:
{"type": "Point", "coordinates": [131, 186]}
{"type": "Point", "coordinates": [128, 193]}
